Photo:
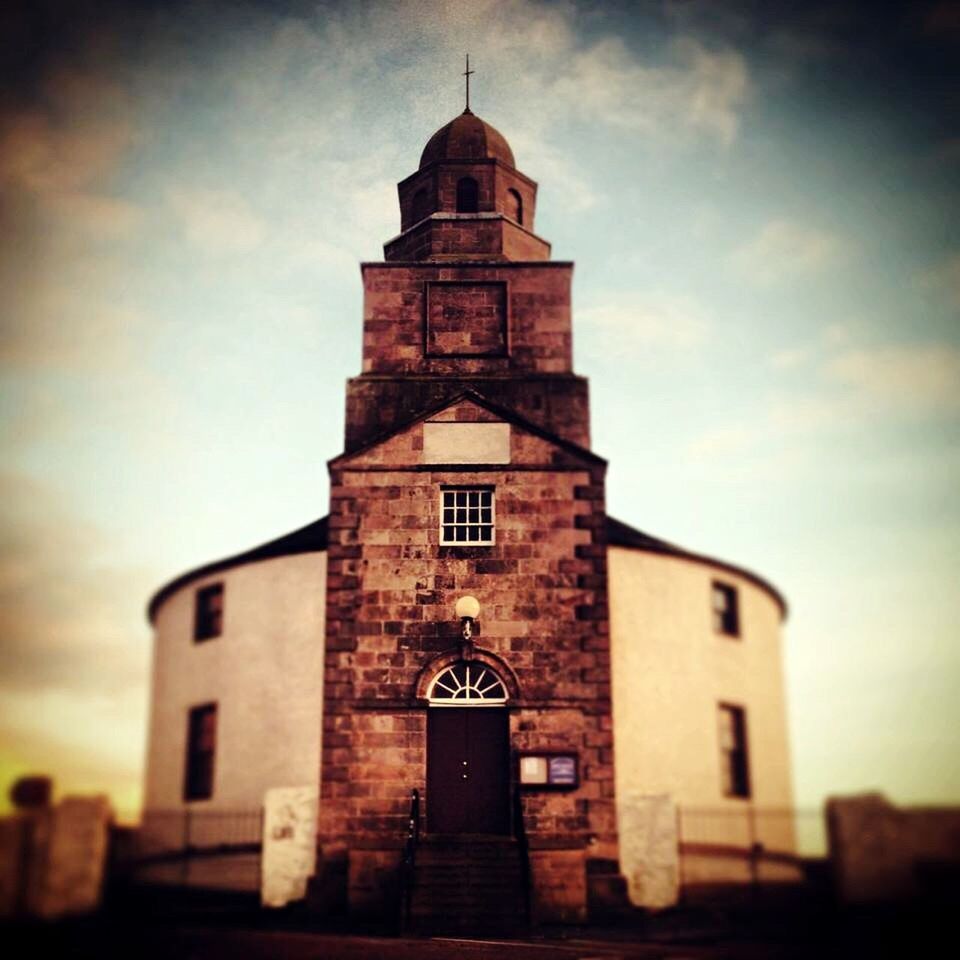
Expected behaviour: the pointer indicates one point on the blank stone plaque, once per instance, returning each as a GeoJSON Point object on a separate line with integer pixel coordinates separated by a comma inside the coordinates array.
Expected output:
{"type": "Point", "coordinates": [466, 319]}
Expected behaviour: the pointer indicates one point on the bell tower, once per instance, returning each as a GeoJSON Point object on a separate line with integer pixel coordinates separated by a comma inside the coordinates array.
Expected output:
{"type": "Point", "coordinates": [467, 478]}
{"type": "Point", "coordinates": [467, 297]}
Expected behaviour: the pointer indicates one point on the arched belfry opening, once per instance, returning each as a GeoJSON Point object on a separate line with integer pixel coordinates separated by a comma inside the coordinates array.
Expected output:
{"type": "Point", "coordinates": [468, 195]}
{"type": "Point", "coordinates": [420, 208]}
{"type": "Point", "coordinates": [515, 206]}
{"type": "Point", "coordinates": [466, 168]}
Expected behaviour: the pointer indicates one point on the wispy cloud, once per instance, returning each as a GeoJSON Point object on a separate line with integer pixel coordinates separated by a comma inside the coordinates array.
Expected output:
{"type": "Point", "coordinates": [700, 93]}
{"type": "Point", "coordinates": [80, 137]}
{"type": "Point", "coordinates": [722, 442]}
{"type": "Point", "coordinates": [788, 358]}
{"type": "Point", "coordinates": [638, 324]}
{"type": "Point", "coordinates": [788, 250]}
{"type": "Point", "coordinates": [216, 221]}
{"type": "Point", "coordinates": [846, 386]}
{"type": "Point", "coordinates": [943, 280]}
{"type": "Point", "coordinates": [909, 378]}
{"type": "Point", "coordinates": [62, 624]}
{"type": "Point", "coordinates": [61, 149]}
{"type": "Point", "coordinates": [53, 327]}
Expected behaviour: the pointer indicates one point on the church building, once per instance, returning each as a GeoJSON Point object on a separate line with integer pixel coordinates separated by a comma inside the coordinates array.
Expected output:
{"type": "Point", "coordinates": [467, 642]}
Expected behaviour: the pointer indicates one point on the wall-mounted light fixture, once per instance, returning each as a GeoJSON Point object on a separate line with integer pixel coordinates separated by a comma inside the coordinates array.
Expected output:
{"type": "Point", "coordinates": [467, 609]}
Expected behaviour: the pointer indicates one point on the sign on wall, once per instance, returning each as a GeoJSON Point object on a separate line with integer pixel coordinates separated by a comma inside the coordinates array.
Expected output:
{"type": "Point", "coordinates": [549, 770]}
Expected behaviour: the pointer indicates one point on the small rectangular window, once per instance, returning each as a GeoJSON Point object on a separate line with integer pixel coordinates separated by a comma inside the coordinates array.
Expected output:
{"type": "Point", "coordinates": [726, 616]}
{"type": "Point", "coordinates": [208, 612]}
{"type": "Point", "coordinates": [734, 761]}
{"type": "Point", "coordinates": [201, 750]}
{"type": "Point", "coordinates": [466, 516]}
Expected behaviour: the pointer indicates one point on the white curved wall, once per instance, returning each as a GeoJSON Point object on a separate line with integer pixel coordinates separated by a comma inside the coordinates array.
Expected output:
{"type": "Point", "coordinates": [670, 671]}
{"type": "Point", "coordinates": [265, 672]}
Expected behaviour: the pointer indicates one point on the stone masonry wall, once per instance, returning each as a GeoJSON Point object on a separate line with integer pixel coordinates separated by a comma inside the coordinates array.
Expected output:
{"type": "Point", "coordinates": [493, 178]}
{"type": "Point", "coordinates": [377, 404]}
{"type": "Point", "coordinates": [538, 305]}
{"type": "Point", "coordinates": [391, 591]}
{"type": "Point", "coordinates": [479, 236]}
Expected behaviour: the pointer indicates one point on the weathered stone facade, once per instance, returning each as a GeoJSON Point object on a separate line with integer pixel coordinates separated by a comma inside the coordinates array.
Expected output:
{"type": "Point", "coordinates": [458, 341]}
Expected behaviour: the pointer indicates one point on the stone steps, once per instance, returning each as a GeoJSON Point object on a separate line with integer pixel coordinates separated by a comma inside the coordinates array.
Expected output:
{"type": "Point", "coordinates": [469, 884]}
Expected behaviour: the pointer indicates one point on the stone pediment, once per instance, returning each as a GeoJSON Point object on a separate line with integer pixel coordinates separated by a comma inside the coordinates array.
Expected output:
{"type": "Point", "coordinates": [469, 431]}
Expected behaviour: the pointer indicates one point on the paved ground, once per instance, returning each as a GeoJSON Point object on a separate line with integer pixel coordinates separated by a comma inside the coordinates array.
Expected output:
{"type": "Point", "coordinates": [143, 939]}
{"type": "Point", "coordinates": [218, 944]}
{"type": "Point", "coordinates": [157, 932]}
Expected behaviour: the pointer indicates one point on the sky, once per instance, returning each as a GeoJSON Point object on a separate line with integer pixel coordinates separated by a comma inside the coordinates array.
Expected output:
{"type": "Point", "coordinates": [761, 199]}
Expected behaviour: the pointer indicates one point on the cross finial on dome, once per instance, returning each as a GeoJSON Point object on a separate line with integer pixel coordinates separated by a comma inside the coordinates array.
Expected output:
{"type": "Point", "coordinates": [467, 73]}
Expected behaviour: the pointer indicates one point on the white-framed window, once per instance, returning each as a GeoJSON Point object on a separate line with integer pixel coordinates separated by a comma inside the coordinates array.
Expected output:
{"type": "Point", "coordinates": [467, 515]}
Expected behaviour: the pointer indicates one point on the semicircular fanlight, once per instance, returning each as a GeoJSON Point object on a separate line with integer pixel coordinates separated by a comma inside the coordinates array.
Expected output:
{"type": "Point", "coordinates": [465, 684]}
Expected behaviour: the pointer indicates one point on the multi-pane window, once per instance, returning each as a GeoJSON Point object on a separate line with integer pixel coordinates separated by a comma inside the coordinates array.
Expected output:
{"type": "Point", "coordinates": [734, 762]}
{"type": "Point", "coordinates": [208, 612]}
{"type": "Point", "coordinates": [466, 515]}
{"type": "Point", "coordinates": [201, 750]}
{"type": "Point", "coordinates": [726, 617]}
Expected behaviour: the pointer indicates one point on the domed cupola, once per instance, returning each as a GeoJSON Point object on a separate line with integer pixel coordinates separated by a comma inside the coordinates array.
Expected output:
{"type": "Point", "coordinates": [467, 200]}
{"type": "Point", "coordinates": [467, 137]}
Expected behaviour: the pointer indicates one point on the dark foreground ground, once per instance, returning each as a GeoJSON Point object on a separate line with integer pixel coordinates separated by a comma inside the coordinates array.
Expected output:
{"type": "Point", "coordinates": [185, 943]}
{"type": "Point", "coordinates": [921, 931]}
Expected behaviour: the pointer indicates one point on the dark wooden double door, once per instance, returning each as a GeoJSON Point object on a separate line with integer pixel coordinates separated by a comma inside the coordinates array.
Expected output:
{"type": "Point", "coordinates": [468, 770]}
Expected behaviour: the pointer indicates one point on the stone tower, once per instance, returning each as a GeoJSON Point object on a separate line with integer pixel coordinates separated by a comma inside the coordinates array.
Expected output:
{"type": "Point", "coordinates": [467, 473]}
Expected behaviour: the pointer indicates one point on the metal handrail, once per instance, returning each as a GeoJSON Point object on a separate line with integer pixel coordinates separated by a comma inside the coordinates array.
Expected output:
{"type": "Point", "coordinates": [408, 864]}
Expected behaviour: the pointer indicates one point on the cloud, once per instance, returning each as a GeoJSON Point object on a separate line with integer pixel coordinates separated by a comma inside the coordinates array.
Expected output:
{"type": "Point", "coordinates": [845, 387]}
{"type": "Point", "coordinates": [561, 181]}
{"type": "Point", "coordinates": [60, 149]}
{"type": "Point", "coordinates": [700, 93]}
{"type": "Point", "coordinates": [908, 378]}
{"type": "Point", "coordinates": [69, 323]}
{"type": "Point", "coordinates": [785, 250]}
{"type": "Point", "coordinates": [642, 323]}
{"type": "Point", "coordinates": [848, 385]}
{"type": "Point", "coordinates": [65, 611]}
{"type": "Point", "coordinates": [722, 442]}
{"type": "Point", "coordinates": [80, 137]}
{"type": "Point", "coordinates": [943, 280]}
{"type": "Point", "coordinates": [789, 358]}
{"type": "Point", "coordinates": [216, 221]}
{"type": "Point", "coordinates": [310, 79]}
